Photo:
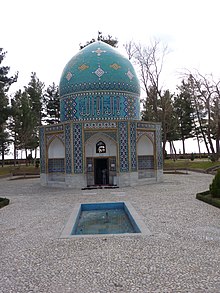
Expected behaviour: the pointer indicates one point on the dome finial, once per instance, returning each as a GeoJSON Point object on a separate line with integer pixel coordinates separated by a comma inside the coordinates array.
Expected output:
{"type": "Point", "coordinates": [99, 36]}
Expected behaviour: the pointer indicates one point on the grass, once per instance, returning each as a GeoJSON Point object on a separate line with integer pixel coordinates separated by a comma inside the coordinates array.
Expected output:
{"type": "Point", "coordinates": [7, 170]}
{"type": "Point", "coordinates": [188, 164]}
{"type": "Point", "coordinates": [168, 164]}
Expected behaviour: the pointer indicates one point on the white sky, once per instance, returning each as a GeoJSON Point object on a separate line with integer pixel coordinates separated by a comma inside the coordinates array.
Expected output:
{"type": "Point", "coordinates": [42, 35]}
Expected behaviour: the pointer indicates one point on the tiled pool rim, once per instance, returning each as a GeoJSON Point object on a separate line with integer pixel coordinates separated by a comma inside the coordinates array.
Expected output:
{"type": "Point", "coordinates": [67, 230]}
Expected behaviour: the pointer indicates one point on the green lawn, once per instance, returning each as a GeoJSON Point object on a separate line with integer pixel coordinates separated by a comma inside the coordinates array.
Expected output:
{"type": "Point", "coordinates": [196, 164]}
{"type": "Point", "coordinates": [22, 168]}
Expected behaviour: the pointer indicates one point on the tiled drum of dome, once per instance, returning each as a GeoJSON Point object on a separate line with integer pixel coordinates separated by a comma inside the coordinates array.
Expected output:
{"type": "Point", "coordinates": [99, 106]}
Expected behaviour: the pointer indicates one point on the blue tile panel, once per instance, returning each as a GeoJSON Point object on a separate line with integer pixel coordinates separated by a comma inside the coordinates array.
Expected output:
{"type": "Point", "coordinates": [145, 162]}
{"type": "Point", "coordinates": [100, 125]}
{"type": "Point", "coordinates": [56, 166]}
{"type": "Point", "coordinates": [42, 150]}
{"type": "Point", "coordinates": [159, 149]}
{"type": "Point", "coordinates": [133, 150]}
{"type": "Point", "coordinates": [54, 128]}
{"type": "Point", "coordinates": [78, 148]}
{"type": "Point", "coordinates": [68, 149]}
{"type": "Point", "coordinates": [123, 146]}
{"type": "Point", "coordinates": [100, 106]}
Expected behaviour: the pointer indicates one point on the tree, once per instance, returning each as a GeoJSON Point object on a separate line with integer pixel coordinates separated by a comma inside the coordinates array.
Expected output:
{"type": "Point", "coordinates": [34, 92]}
{"type": "Point", "coordinates": [15, 122]}
{"type": "Point", "coordinates": [5, 83]}
{"type": "Point", "coordinates": [108, 40]}
{"type": "Point", "coordinates": [205, 101]}
{"type": "Point", "coordinates": [51, 104]}
{"type": "Point", "coordinates": [184, 113]}
{"type": "Point", "coordinates": [157, 103]}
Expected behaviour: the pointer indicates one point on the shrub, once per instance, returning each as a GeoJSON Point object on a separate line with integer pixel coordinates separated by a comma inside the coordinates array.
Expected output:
{"type": "Point", "coordinates": [37, 163]}
{"type": "Point", "coordinates": [192, 157]}
{"type": "Point", "coordinates": [215, 186]}
{"type": "Point", "coordinates": [4, 202]}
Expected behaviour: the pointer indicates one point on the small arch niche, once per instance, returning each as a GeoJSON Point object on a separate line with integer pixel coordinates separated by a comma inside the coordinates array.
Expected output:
{"type": "Point", "coordinates": [100, 147]}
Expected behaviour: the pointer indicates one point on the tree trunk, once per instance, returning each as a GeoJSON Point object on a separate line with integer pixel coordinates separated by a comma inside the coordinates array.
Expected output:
{"type": "Point", "coordinates": [15, 151]}
{"type": "Point", "coordinates": [3, 155]}
{"type": "Point", "coordinates": [26, 155]}
{"type": "Point", "coordinates": [174, 149]}
{"type": "Point", "coordinates": [198, 146]}
{"type": "Point", "coordinates": [164, 149]}
{"type": "Point", "coordinates": [171, 150]}
{"type": "Point", "coordinates": [183, 143]}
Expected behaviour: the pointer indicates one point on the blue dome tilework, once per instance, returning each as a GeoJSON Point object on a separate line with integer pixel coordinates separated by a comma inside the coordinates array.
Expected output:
{"type": "Point", "coordinates": [99, 83]}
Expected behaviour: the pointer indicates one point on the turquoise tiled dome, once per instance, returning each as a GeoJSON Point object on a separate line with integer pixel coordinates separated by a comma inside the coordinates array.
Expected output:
{"type": "Point", "coordinates": [99, 70]}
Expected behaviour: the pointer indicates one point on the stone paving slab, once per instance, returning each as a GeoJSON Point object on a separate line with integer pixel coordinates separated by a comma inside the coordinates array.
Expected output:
{"type": "Point", "coordinates": [182, 254]}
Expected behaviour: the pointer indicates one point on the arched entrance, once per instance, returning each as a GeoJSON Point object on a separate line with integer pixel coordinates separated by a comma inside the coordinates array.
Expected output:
{"type": "Point", "coordinates": [101, 173]}
{"type": "Point", "coordinates": [101, 153]}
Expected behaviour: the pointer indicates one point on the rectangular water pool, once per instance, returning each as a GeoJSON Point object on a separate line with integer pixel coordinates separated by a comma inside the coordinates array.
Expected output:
{"type": "Point", "coordinates": [104, 218]}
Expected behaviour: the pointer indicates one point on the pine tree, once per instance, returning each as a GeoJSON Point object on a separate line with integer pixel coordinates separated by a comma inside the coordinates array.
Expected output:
{"type": "Point", "coordinates": [52, 105]}
{"type": "Point", "coordinates": [184, 111]}
{"type": "Point", "coordinates": [5, 83]}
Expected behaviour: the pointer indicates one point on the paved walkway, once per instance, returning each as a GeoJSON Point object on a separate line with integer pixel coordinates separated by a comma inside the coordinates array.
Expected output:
{"type": "Point", "coordinates": [181, 255]}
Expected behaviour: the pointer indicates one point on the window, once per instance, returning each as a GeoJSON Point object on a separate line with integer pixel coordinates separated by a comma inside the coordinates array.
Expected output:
{"type": "Point", "coordinates": [56, 166]}
{"type": "Point", "coordinates": [146, 167]}
{"type": "Point", "coordinates": [100, 147]}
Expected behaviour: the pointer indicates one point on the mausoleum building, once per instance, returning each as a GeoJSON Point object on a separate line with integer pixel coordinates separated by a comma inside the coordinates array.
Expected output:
{"type": "Point", "coordinates": [101, 140]}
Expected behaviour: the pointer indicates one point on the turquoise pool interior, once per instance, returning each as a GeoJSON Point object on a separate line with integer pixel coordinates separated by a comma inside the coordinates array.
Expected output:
{"type": "Point", "coordinates": [104, 218]}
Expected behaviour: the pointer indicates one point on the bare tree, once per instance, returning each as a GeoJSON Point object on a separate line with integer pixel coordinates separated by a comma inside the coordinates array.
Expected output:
{"type": "Point", "coordinates": [205, 98]}
{"type": "Point", "coordinates": [157, 104]}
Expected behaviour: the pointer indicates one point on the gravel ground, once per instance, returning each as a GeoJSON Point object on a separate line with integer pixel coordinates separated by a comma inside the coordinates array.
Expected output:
{"type": "Point", "coordinates": [182, 254]}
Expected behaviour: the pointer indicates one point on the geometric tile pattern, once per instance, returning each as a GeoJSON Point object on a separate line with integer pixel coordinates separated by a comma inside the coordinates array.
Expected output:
{"type": "Point", "coordinates": [79, 87]}
{"type": "Point", "coordinates": [61, 137]}
{"type": "Point", "coordinates": [68, 150]}
{"type": "Point", "coordinates": [146, 125]}
{"type": "Point", "coordinates": [56, 165]}
{"type": "Point", "coordinates": [131, 107]}
{"type": "Point", "coordinates": [54, 128]}
{"type": "Point", "coordinates": [68, 108]}
{"type": "Point", "coordinates": [77, 148]}
{"type": "Point", "coordinates": [123, 146]}
{"type": "Point", "coordinates": [51, 137]}
{"type": "Point", "coordinates": [100, 125]}
{"type": "Point", "coordinates": [145, 162]}
{"type": "Point", "coordinates": [149, 134]}
{"type": "Point", "coordinates": [42, 150]}
{"type": "Point", "coordinates": [133, 150]}
{"type": "Point", "coordinates": [98, 66]}
{"type": "Point", "coordinates": [159, 150]}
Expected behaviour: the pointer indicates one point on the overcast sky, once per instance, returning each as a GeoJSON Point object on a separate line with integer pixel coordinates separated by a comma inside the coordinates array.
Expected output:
{"type": "Point", "coordinates": [42, 35]}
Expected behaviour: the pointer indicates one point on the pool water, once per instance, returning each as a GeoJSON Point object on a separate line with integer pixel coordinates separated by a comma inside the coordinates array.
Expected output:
{"type": "Point", "coordinates": [108, 221]}
{"type": "Point", "coordinates": [104, 218]}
